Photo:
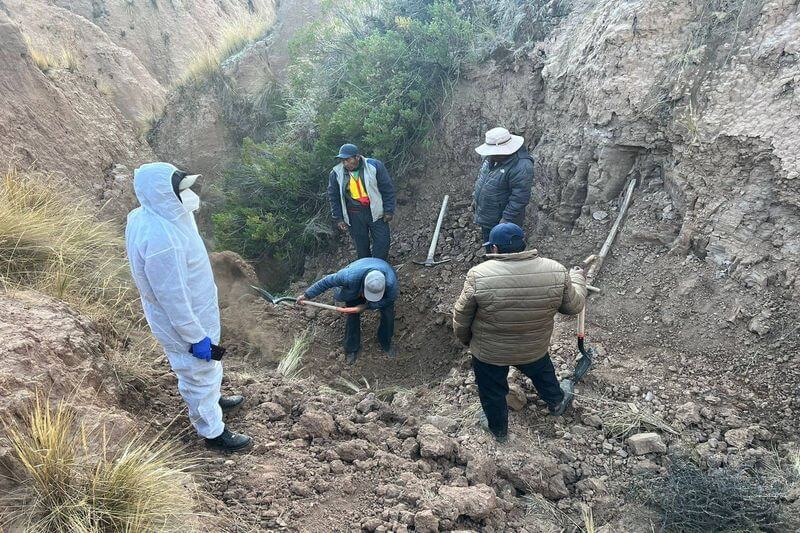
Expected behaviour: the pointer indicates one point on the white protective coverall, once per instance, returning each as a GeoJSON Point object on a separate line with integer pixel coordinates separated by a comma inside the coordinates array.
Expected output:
{"type": "Point", "coordinates": [171, 268]}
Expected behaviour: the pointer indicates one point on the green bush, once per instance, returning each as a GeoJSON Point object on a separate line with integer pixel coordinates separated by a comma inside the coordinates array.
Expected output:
{"type": "Point", "coordinates": [372, 76]}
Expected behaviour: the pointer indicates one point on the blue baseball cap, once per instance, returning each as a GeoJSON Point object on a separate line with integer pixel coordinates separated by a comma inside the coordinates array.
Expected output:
{"type": "Point", "coordinates": [347, 150]}
{"type": "Point", "coordinates": [504, 234]}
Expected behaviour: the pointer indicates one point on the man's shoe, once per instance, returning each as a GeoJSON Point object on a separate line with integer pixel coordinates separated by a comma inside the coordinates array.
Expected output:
{"type": "Point", "coordinates": [568, 389]}
{"type": "Point", "coordinates": [229, 402]}
{"type": "Point", "coordinates": [484, 422]}
{"type": "Point", "coordinates": [351, 357]}
{"type": "Point", "coordinates": [229, 441]}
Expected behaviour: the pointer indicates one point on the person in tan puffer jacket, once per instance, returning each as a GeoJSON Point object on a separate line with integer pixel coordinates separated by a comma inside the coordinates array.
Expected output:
{"type": "Point", "coordinates": [505, 315]}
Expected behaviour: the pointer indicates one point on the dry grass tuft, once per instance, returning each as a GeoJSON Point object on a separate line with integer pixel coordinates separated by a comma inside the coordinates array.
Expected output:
{"type": "Point", "coordinates": [290, 366]}
{"type": "Point", "coordinates": [621, 419]}
{"type": "Point", "coordinates": [67, 486]}
{"type": "Point", "coordinates": [238, 33]}
{"type": "Point", "coordinates": [50, 241]}
{"type": "Point", "coordinates": [46, 61]}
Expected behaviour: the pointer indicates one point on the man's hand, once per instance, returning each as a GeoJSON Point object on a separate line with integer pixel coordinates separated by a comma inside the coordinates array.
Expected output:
{"type": "Point", "coordinates": [301, 299]}
{"type": "Point", "coordinates": [354, 310]}
{"type": "Point", "coordinates": [202, 349]}
{"type": "Point", "coordinates": [387, 217]}
{"type": "Point", "coordinates": [579, 270]}
{"type": "Point", "coordinates": [342, 225]}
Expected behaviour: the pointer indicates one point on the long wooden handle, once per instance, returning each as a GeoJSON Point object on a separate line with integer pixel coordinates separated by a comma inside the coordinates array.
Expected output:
{"type": "Point", "coordinates": [321, 306]}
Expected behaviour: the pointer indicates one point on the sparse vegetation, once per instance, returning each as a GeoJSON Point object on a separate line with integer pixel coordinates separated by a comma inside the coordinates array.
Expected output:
{"type": "Point", "coordinates": [51, 241]}
{"type": "Point", "coordinates": [236, 35]}
{"type": "Point", "coordinates": [46, 61]}
{"type": "Point", "coordinates": [692, 500]}
{"type": "Point", "coordinates": [69, 486]}
{"type": "Point", "coordinates": [291, 365]}
{"type": "Point", "coordinates": [622, 419]}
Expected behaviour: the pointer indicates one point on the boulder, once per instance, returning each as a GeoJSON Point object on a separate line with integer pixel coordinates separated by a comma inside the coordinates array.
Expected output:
{"type": "Point", "coordinates": [644, 443]}
{"type": "Point", "coordinates": [434, 443]}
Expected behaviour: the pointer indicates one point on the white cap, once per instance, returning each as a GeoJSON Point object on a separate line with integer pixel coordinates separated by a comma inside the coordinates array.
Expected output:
{"type": "Point", "coordinates": [374, 285]}
{"type": "Point", "coordinates": [500, 142]}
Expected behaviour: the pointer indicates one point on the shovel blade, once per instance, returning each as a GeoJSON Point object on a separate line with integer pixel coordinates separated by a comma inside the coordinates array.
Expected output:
{"type": "Point", "coordinates": [583, 365]}
{"type": "Point", "coordinates": [264, 294]}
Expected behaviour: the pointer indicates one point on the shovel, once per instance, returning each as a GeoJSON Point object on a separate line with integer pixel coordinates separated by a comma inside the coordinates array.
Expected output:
{"type": "Point", "coordinates": [587, 354]}
{"type": "Point", "coordinates": [429, 262]}
{"type": "Point", "coordinates": [275, 301]}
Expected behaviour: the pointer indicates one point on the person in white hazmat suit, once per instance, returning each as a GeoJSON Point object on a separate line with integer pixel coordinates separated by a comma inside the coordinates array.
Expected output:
{"type": "Point", "coordinates": [172, 271]}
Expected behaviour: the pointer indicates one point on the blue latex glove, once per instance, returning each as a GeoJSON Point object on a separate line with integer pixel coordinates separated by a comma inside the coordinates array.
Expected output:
{"type": "Point", "coordinates": [202, 349]}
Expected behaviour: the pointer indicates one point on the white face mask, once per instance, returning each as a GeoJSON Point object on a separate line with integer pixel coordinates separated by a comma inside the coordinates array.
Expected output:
{"type": "Point", "coordinates": [190, 200]}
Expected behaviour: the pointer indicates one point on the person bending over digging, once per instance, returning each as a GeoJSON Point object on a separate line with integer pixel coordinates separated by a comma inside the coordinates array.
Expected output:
{"type": "Point", "coordinates": [505, 315]}
{"type": "Point", "coordinates": [362, 199]}
{"type": "Point", "coordinates": [171, 269]}
{"type": "Point", "coordinates": [368, 283]}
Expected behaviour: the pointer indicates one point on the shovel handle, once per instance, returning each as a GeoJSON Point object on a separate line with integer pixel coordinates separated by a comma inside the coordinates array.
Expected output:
{"type": "Point", "coordinates": [345, 310]}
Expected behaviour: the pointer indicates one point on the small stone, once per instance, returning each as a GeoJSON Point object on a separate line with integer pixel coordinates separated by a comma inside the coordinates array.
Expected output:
{"type": "Point", "coordinates": [475, 502]}
{"type": "Point", "coordinates": [426, 522]}
{"type": "Point", "coordinates": [600, 215]}
{"type": "Point", "coordinates": [516, 397]}
{"type": "Point", "coordinates": [273, 411]}
{"type": "Point", "coordinates": [688, 413]}
{"type": "Point", "coordinates": [593, 420]}
{"type": "Point", "coordinates": [434, 443]}
{"type": "Point", "coordinates": [739, 438]}
{"type": "Point", "coordinates": [446, 424]}
{"type": "Point", "coordinates": [314, 424]}
{"type": "Point", "coordinates": [644, 443]}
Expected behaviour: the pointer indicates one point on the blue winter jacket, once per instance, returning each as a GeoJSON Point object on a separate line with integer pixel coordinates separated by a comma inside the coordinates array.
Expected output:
{"type": "Point", "coordinates": [503, 191]}
{"type": "Point", "coordinates": [350, 281]}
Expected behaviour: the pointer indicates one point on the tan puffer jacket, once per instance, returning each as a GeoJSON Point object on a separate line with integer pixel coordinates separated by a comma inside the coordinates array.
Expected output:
{"type": "Point", "coordinates": [505, 312]}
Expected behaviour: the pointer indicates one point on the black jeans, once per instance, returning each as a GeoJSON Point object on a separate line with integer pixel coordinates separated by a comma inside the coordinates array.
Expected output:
{"type": "Point", "coordinates": [485, 233]}
{"type": "Point", "coordinates": [352, 330]}
{"type": "Point", "coordinates": [362, 228]}
{"type": "Point", "coordinates": [492, 381]}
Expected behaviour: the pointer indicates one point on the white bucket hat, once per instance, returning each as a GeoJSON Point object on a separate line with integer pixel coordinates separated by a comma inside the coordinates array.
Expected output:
{"type": "Point", "coordinates": [500, 142]}
{"type": "Point", "coordinates": [374, 286]}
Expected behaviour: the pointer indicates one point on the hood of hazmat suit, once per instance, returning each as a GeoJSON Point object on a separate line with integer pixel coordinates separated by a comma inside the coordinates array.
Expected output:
{"type": "Point", "coordinates": [170, 264]}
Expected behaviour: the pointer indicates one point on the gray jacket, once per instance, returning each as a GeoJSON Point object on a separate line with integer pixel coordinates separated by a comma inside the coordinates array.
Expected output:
{"type": "Point", "coordinates": [502, 192]}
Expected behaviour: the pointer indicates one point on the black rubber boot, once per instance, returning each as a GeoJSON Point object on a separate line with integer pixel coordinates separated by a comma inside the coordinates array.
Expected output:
{"type": "Point", "coordinates": [568, 389]}
{"type": "Point", "coordinates": [229, 402]}
{"type": "Point", "coordinates": [351, 357]}
{"type": "Point", "coordinates": [391, 352]}
{"type": "Point", "coordinates": [229, 442]}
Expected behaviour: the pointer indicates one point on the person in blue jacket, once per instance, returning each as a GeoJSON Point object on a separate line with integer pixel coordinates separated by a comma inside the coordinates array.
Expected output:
{"type": "Point", "coordinates": [368, 283]}
{"type": "Point", "coordinates": [362, 199]}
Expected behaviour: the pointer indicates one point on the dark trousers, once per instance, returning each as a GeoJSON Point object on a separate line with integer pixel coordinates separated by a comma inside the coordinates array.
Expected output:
{"type": "Point", "coordinates": [485, 232]}
{"type": "Point", "coordinates": [352, 330]}
{"type": "Point", "coordinates": [363, 228]}
{"type": "Point", "coordinates": [492, 381]}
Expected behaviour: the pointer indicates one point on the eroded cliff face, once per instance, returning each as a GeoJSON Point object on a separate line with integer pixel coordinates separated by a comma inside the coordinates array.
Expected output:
{"type": "Point", "coordinates": [83, 118]}
{"type": "Point", "coordinates": [699, 106]}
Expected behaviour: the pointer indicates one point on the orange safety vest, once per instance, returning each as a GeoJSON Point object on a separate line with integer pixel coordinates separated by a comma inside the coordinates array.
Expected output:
{"type": "Point", "coordinates": [357, 190]}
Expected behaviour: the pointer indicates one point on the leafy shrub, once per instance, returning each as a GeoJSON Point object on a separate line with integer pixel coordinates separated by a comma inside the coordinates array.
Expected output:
{"type": "Point", "coordinates": [370, 75]}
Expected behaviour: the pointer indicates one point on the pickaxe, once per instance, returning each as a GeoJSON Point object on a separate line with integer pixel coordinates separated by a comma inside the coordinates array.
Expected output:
{"type": "Point", "coordinates": [432, 250]}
